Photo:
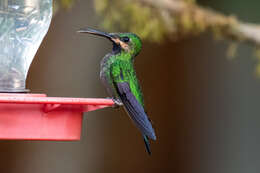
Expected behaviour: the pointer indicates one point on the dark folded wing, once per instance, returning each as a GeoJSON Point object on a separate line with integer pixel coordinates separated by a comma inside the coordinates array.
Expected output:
{"type": "Point", "coordinates": [135, 109]}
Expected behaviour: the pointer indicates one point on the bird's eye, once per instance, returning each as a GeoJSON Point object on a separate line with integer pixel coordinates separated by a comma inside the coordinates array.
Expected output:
{"type": "Point", "coordinates": [125, 39]}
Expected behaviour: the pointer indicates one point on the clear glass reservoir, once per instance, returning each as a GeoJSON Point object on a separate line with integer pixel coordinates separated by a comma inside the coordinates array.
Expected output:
{"type": "Point", "coordinates": [23, 24]}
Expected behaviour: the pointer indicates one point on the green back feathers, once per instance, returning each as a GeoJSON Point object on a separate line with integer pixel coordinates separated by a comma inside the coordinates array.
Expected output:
{"type": "Point", "coordinates": [123, 71]}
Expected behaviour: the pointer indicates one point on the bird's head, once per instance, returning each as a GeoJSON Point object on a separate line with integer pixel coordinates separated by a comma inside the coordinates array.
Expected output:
{"type": "Point", "coordinates": [122, 42]}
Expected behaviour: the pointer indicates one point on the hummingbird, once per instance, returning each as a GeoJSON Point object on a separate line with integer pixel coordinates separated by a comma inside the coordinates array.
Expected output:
{"type": "Point", "coordinates": [118, 75]}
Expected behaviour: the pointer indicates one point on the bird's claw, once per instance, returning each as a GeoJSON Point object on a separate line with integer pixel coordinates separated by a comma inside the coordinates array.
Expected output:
{"type": "Point", "coordinates": [117, 103]}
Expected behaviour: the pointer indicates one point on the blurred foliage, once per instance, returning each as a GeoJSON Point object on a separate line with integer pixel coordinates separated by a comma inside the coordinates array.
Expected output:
{"type": "Point", "coordinates": [257, 54]}
{"type": "Point", "coordinates": [131, 16]}
{"type": "Point", "coordinates": [154, 23]}
{"type": "Point", "coordinates": [57, 4]}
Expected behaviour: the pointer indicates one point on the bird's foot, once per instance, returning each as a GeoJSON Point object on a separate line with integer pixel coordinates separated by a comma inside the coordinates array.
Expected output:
{"type": "Point", "coordinates": [117, 102]}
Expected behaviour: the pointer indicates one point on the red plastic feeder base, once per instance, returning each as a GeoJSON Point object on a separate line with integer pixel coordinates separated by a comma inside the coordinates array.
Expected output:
{"type": "Point", "coordinates": [38, 117]}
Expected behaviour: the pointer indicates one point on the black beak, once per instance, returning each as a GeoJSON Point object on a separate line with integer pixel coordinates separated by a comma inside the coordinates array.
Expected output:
{"type": "Point", "coordinates": [95, 32]}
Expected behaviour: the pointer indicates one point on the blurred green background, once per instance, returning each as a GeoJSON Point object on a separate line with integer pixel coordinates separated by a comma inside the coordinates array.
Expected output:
{"type": "Point", "coordinates": [205, 107]}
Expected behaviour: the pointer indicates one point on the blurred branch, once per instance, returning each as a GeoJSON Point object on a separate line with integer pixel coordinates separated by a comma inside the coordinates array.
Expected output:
{"type": "Point", "coordinates": [173, 17]}
{"type": "Point", "coordinates": [251, 32]}
{"type": "Point", "coordinates": [228, 26]}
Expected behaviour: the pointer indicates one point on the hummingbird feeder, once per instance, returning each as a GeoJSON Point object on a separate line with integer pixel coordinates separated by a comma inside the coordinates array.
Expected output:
{"type": "Point", "coordinates": [23, 115]}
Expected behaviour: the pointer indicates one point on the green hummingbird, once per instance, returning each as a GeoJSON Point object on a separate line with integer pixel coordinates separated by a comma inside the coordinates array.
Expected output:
{"type": "Point", "coordinates": [119, 77]}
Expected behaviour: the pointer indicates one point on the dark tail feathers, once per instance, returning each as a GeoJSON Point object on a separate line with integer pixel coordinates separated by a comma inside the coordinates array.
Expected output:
{"type": "Point", "coordinates": [147, 144]}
